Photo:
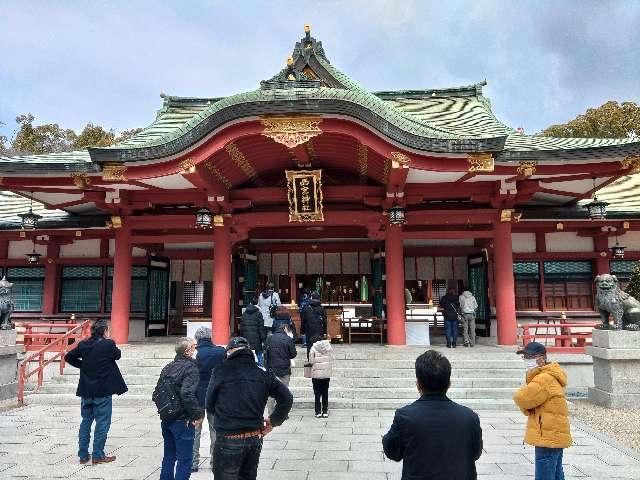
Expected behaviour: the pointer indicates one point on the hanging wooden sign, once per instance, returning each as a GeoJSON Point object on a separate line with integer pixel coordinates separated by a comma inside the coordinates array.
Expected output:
{"type": "Point", "coordinates": [304, 188]}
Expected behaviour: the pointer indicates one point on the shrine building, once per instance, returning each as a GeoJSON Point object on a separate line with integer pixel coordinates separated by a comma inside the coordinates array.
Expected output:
{"type": "Point", "coordinates": [380, 201]}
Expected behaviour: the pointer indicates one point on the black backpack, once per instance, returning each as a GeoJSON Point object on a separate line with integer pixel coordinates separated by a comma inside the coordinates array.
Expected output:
{"type": "Point", "coordinates": [166, 396]}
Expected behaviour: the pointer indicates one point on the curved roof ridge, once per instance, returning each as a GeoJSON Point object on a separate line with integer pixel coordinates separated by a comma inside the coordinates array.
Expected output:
{"type": "Point", "coordinates": [472, 90]}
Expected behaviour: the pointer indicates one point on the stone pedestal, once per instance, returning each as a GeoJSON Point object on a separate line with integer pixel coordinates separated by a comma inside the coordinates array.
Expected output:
{"type": "Point", "coordinates": [8, 364]}
{"type": "Point", "coordinates": [616, 368]}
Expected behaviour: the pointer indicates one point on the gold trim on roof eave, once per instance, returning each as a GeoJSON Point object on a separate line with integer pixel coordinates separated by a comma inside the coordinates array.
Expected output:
{"type": "Point", "coordinates": [291, 131]}
{"type": "Point", "coordinates": [480, 162]}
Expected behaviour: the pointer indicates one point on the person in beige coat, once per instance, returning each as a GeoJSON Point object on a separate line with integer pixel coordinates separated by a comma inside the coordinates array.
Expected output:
{"type": "Point", "coordinates": [321, 360]}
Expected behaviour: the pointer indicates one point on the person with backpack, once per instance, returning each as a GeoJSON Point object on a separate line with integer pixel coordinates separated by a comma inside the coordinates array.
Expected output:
{"type": "Point", "coordinates": [237, 396]}
{"type": "Point", "coordinates": [279, 352]}
{"type": "Point", "coordinates": [313, 321]}
{"type": "Point", "coordinates": [100, 379]}
{"type": "Point", "coordinates": [252, 328]}
{"type": "Point", "coordinates": [208, 357]}
{"type": "Point", "coordinates": [268, 302]}
{"type": "Point", "coordinates": [180, 411]}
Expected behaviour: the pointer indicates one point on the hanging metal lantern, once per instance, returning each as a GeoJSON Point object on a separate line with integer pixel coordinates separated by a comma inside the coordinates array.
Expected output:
{"type": "Point", "coordinates": [203, 218]}
{"type": "Point", "coordinates": [397, 215]}
{"type": "Point", "coordinates": [30, 219]}
{"type": "Point", "coordinates": [617, 250]}
{"type": "Point", "coordinates": [33, 257]}
{"type": "Point", "coordinates": [596, 208]}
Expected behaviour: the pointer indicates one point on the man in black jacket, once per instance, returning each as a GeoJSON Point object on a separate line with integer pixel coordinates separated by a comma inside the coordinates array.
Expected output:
{"type": "Point", "coordinates": [252, 328]}
{"type": "Point", "coordinates": [100, 378]}
{"type": "Point", "coordinates": [280, 350]}
{"type": "Point", "coordinates": [236, 397]}
{"type": "Point", "coordinates": [436, 438]}
{"type": "Point", "coordinates": [313, 320]}
{"type": "Point", "coordinates": [178, 435]}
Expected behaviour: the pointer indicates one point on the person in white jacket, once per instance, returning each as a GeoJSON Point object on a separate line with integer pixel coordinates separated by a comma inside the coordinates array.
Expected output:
{"type": "Point", "coordinates": [321, 360]}
{"type": "Point", "coordinates": [268, 299]}
{"type": "Point", "coordinates": [468, 307]}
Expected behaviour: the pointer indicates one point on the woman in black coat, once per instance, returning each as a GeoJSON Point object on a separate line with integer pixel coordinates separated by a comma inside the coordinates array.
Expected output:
{"type": "Point", "coordinates": [252, 328]}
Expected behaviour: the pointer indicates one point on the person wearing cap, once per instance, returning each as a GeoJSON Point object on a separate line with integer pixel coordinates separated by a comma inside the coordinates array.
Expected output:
{"type": "Point", "coordinates": [100, 379]}
{"type": "Point", "coordinates": [543, 401]}
{"type": "Point", "coordinates": [236, 397]}
{"type": "Point", "coordinates": [208, 357]}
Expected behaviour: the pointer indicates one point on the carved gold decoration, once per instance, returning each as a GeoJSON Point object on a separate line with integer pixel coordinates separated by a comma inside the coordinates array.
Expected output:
{"type": "Point", "coordinates": [625, 225]}
{"type": "Point", "coordinates": [603, 254]}
{"type": "Point", "coordinates": [78, 233]}
{"type": "Point", "coordinates": [307, 28]}
{"type": "Point", "coordinates": [23, 234]}
{"type": "Point", "coordinates": [241, 161]}
{"type": "Point", "coordinates": [527, 168]}
{"type": "Point", "coordinates": [632, 162]}
{"type": "Point", "coordinates": [187, 166]}
{"type": "Point", "coordinates": [81, 180]}
{"type": "Point", "coordinates": [386, 169]}
{"type": "Point", "coordinates": [559, 226]}
{"type": "Point", "coordinates": [291, 131]}
{"type": "Point", "coordinates": [218, 221]}
{"type": "Point", "coordinates": [480, 162]}
{"type": "Point", "coordinates": [304, 192]}
{"type": "Point", "coordinates": [114, 172]}
{"type": "Point", "coordinates": [311, 151]}
{"type": "Point", "coordinates": [399, 160]}
{"type": "Point", "coordinates": [506, 215]}
{"type": "Point", "coordinates": [216, 173]}
{"type": "Point", "coordinates": [363, 162]}
{"type": "Point", "coordinates": [116, 221]}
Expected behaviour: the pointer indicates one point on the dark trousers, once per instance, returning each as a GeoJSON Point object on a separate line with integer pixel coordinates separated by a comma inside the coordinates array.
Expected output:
{"type": "Point", "coordinates": [92, 409]}
{"type": "Point", "coordinates": [451, 331]}
{"type": "Point", "coordinates": [549, 464]}
{"type": "Point", "coordinates": [321, 392]}
{"type": "Point", "coordinates": [236, 458]}
{"type": "Point", "coordinates": [178, 450]}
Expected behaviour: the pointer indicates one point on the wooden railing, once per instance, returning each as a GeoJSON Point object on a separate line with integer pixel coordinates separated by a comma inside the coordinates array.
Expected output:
{"type": "Point", "coordinates": [57, 343]}
{"type": "Point", "coordinates": [559, 337]}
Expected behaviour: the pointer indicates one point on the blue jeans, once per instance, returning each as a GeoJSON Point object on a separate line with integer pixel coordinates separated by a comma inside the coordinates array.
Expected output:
{"type": "Point", "coordinates": [549, 464]}
{"type": "Point", "coordinates": [98, 409]}
{"type": "Point", "coordinates": [236, 459]}
{"type": "Point", "coordinates": [178, 447]}
{"type": "Point", "coordinates": [451, 330]}
{"type": "Point", "coordinates": [260, 357]}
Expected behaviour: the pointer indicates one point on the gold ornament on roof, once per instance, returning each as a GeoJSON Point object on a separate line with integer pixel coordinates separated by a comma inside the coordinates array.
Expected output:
{"type": "Point", "coordinates": [218, 221]}
{"type": "Point", "coordinates": [506, 215]}
{"type": "Point", "coordinates": [187, 166]}
{"type": "Point", "coordinates": [81, 180]}
{"type": "Point", "coordinates": [291, 131]}
{"type": "Point", "coordinates": [399, 160]}
{"type": "Point", "coordinates": [632, 162]}
{"type": "Point", "coordinates": [480, 162]}
{"type": "Point", "coordinates": [559, 226]}
{"type": "Point", "coordinates": [527, 168]}
{"type": "Point", "coordinates": [307, 28]}
{"type": "Point", "coordinates": [114, 172]}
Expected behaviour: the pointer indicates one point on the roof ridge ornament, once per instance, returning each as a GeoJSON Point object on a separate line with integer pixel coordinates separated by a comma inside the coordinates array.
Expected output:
{"type": "Point", "coordinates": [290, 77]}
{"type": "Point", "coordinates": [307, 46]}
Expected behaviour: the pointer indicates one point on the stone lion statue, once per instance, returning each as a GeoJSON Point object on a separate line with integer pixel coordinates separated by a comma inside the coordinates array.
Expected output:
{"type": "Point", "coordinates": [6, 305]}
{"type": "Point", "coordinates": [610, 300]}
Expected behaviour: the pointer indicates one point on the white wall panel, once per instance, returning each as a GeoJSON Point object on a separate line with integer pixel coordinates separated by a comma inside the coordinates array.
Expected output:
{"type": "Point", "coordinates": [631, 240]}
{"type": "Point", "coordinates": [20, 248]}
{"type": "Point", "coordinates": [523, 242]}
{"type": "Point", "coordinates": [81, 248]}
{"type": "Point", "coordinates": [568, 242]}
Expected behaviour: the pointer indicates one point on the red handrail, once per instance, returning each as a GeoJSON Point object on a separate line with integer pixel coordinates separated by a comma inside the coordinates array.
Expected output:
{"type": "Point", "coordinates": [562, 342]}
{"type": "Point", "coordinates": [59, 343]}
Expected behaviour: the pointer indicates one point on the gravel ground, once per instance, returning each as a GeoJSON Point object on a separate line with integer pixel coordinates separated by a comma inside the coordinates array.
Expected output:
{"type": "Point", "coordinates": [622, 425]}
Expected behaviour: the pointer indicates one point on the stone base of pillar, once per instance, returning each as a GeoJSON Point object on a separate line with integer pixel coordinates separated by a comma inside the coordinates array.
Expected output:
{"type": "Point", "coordinates": [616, 368]}
{"type": "Point", "coordinates": [8, 365]}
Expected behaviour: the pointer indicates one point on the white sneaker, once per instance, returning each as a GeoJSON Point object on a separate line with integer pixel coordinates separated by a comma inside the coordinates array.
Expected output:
{"type": "Point", "coordinates": [325, 415]}
{"type": "Point", "coordinates": [318, 415]}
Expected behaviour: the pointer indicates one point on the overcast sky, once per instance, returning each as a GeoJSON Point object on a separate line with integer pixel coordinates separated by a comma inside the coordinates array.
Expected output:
{"type": "Point", "coordinates": [106, 62]}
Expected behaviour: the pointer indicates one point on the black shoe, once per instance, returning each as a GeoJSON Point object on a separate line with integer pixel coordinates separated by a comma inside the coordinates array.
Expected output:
{"type": "Point", "coordinates": [466, 345]}
{"type": "Point", "coordinates": [453, 345]}
{"type": "Point", "coordinates": [194, 469]}
{"type": "Point", "coordinates": [471, 345]}
{"type": "Point", "coordinates": [448, 345]}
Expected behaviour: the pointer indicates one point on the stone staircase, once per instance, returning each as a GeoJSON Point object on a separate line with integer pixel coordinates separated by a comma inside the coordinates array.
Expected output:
{"type": "Point", "coordinates": [364, 376]}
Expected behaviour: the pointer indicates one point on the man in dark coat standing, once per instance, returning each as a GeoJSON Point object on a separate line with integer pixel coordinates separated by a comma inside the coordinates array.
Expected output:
{"type": "Point", "coordinates": [178, 434]}
{"type": "Point", "coordinates": [451, 306]}
{"type": "Point", "coordinates": [237, 396]}
{"type": "Point", "coordinates": [252, 328]}
{"type": "Point", "coordinates": [280, 350]}
{"type": "Point", "coordinates": [100, 378]}
{"type": "Point", "coordinates": [313, 320]}
{"type": "Point", "coordinates": [208, 357]}
{"type": "Point", "coordinates": [436, 438]}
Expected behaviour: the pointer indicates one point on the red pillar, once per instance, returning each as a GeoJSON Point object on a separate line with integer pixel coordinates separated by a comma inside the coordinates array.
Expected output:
{"type": "Point", "coordinates": [121, 297]}
{"type": "Point", "coordinates": [601, 245]}
{"type": "Point", "coordinates": [221, 310]}
{"type": "Point", "coordinates": [50, 293]}
{"type": "Point", "coordinates": [394, 263]}
{"type": "Point", "coordinates": [504, 286]}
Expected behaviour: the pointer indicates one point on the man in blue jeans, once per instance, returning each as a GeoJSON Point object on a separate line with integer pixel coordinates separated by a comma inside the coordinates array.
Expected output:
{"type": "Point", "coordinates": [100, 378]}
{"type": "Point", "coordinates": [236, 397]}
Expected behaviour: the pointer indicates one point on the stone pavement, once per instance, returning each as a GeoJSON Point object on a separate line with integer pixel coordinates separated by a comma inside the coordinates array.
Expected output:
{"type": "Point", "coordinates": [40, 442]}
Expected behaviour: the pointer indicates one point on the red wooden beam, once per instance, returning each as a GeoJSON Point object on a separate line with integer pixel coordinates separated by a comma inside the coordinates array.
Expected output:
{"type": "Point", "coordinates": [447, 234]}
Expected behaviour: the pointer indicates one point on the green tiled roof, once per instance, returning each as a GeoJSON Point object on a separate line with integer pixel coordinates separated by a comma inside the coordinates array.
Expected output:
{"type": "Point", "coordinates": [623, 195]}
{"type": "Point", "coordinates": [76, 161]}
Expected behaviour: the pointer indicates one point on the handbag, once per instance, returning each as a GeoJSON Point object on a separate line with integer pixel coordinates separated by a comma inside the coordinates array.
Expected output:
{"type": "Point", "coordinates": [307, 370]}
{"type": "Point", "coordinates": [272, 308]}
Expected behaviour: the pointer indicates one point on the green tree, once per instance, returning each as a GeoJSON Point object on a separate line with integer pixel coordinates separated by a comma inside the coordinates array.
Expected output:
{"type": "Point", "coordinates": [611, 120]}
{"type": "Point", "coordinates": [633, 288]}
{"type": "Point", "coordinates": [41, 138]}
{"type": "Point", "coordinates": [94, 136]}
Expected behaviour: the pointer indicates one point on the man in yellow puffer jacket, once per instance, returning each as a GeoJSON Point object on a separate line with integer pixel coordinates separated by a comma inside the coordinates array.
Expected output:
{"type": "Point", "coordinates": [543, 401]}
